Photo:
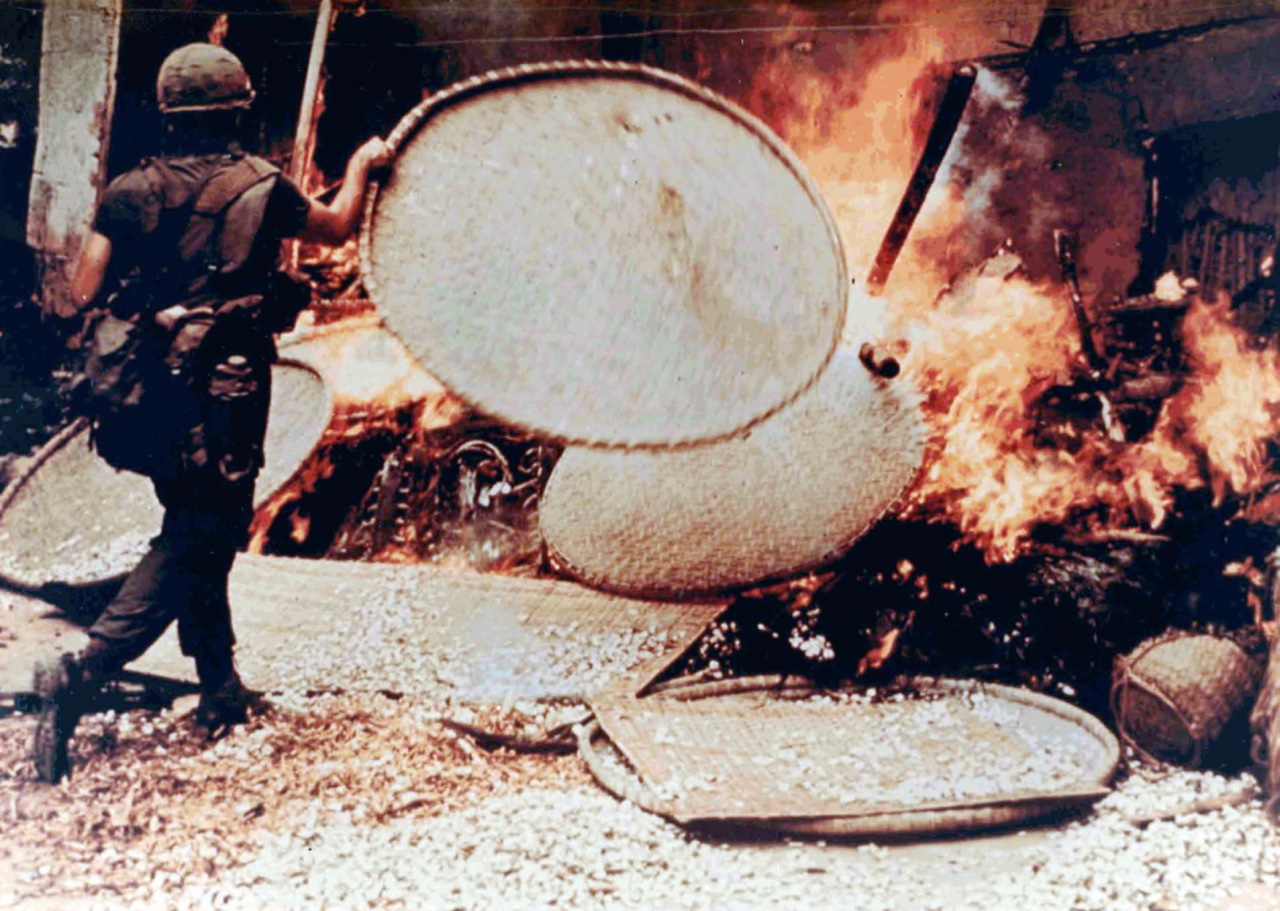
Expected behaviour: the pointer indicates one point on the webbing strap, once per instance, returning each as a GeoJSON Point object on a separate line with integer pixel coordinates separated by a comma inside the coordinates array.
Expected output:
{"type": "Point", "coordinates": [216, 196]}
{"type": "Point", "coordinates": [227, 184]}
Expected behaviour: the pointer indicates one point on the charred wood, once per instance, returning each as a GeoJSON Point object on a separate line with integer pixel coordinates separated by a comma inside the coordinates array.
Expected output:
{"type": "Point", "coordinates": [950, 110]}
{"type": "Point", "coordinates": [1149, 388]}
{"type": "Point", "coordinates": [1147, 304]}
{"type": "Point", "coordinates": [1078, 54]}
{"type": "Point", "coordinates": [1264, 721]}
{"type": "Point", "coordinates": [1065, 249]}
{"type": "Point", "coordinates": [1054, 619]}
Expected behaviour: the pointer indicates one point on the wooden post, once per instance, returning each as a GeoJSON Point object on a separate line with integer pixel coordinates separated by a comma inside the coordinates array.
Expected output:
{"type": "Point", "coordinates": [302, 135]}
{"type": "Point", "coordinates": [79, 47]}
{"type": "Point", "coordinates": [1264, 721]}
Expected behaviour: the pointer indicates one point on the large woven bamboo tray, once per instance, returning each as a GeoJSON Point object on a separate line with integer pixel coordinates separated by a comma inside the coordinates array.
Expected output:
{"type": "Point", "coordinates": [789, 495]}
{"type": "Point", "coordinates": [474, 637]}
{"type": "Point", "coordinates": [604, 253]}
{"type": "Point", "coordinates": [72, 518]}
{"type": "Point", "coordinates": [778, 754]}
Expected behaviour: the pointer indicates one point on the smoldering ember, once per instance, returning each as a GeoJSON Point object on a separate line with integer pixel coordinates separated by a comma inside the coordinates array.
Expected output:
{"type": "Point", "coordinates": [736, 455]}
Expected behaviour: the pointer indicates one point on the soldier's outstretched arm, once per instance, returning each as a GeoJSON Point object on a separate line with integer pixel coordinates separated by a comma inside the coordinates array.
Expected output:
{"type": "Point", "coordinates": [87, 277]}
{"type": "Point", "coordinates": [334, 223]}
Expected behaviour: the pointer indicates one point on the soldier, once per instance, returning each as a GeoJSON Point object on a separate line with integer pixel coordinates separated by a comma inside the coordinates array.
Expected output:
{"type": "Point", "coordinates": [184, 250]}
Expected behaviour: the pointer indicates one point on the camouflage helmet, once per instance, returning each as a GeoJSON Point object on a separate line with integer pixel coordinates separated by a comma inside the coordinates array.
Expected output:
{"type": "Point", "coordinates": [202, 77]}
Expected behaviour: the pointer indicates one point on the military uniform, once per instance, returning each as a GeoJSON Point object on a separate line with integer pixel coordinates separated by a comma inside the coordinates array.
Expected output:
{"type": "Point", "coordinates": [146, 213]}
{"type": "Point", "coordinates": [177, 378]}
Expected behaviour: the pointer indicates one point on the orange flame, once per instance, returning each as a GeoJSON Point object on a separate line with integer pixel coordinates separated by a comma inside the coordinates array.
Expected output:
{"type": "Point", "coordinates": [369, 369]}
{"type": "Point", "coordinates": [983, 370]}
{"type": "Point", "coordinates": [218, 31]}
{"type": "Point", "coordinates": [984, 358]}
{"type": "Point", "coordinates": [1229, 409]}
{"type": "Point", "coordinates": [372, 379]}
{"type": "Point", "coordinates": [858, 136]}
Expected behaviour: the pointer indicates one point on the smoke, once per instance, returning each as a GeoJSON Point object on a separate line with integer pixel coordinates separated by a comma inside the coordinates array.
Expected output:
{"type": "Point", "coordinates": [972, 167]}
{"type": "Point", "coordinates": [1019, 175]}
{"type": "Point", "coordinates": [856, 106]}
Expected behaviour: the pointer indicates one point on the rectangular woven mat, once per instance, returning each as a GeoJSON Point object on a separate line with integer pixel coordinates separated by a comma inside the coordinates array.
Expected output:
{"type": "Point", "coordinates": [477, 621]}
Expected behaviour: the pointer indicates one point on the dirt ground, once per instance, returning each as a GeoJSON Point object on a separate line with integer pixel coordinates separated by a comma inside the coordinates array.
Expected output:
{"type": "Point", "coordinates": [156, 816]}
{"type": "Point", "coordinates": [150, 798]}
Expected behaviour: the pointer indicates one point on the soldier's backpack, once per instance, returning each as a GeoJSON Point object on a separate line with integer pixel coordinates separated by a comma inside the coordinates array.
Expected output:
{"type": "Point", "coordinates": [139, 411]}
{"type": "Point", "coordinates": [150, 390]}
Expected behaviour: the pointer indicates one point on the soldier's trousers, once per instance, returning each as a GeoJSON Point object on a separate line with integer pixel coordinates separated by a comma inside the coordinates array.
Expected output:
{"type": "Point", "coordinates": [182, 577]}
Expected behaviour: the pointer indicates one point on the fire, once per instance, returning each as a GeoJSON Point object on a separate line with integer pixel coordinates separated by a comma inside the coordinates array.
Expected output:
{"type": "Point", "coordinates": [373, 380]}
{"type": "Point", "coordinates": [986, 353]}
{"type": "Point", "coordinates": [982, 360]}
{"type": "Point", "coordinates": [218, 31]}
{"type": "Point", "coordinates": [369, 369]}
{"type": "Point", "coordinates": [1229, 410]}
{"type": "Point", "coordinates": [312, 472]}
{"type": "Point", "coordinates": [985, 360]}
{"type": "Point", "coordinates": [984, 357]}
{"type": "Point", "coordinates": [857, 136]}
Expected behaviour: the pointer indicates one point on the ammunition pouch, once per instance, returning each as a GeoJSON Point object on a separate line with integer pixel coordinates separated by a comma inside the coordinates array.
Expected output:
{"type": "Point", "coordinates": [235, 417]}
{"type": "Point", "coordinates": [140, 408]}
{"type": "Point", "coordinates": [190, 398]}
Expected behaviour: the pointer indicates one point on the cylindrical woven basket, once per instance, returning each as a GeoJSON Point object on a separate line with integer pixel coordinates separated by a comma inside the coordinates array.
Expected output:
{"type": "Point", "coordinates": [604, 253]}
{"type": "Point", "coordinates": [1175, 694]}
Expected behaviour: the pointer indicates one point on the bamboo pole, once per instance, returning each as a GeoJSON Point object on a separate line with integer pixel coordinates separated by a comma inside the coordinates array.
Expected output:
{"type": "Point", "coordinates": [301, 158]}
{"type": "Point", "coordinates": [945, 124]}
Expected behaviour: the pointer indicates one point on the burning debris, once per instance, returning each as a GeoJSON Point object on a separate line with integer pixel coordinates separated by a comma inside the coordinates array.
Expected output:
{"type": "Point", "coordinates": [382, 486]}
{"type": "Point", "coordinates": [469, 496]}
{"type": "Point", "coordinates": [1100, 464]}
{"type": "Point", "coordinates": [1102, 395]}
{"type": "Point", "coordinates": [1063, 516]}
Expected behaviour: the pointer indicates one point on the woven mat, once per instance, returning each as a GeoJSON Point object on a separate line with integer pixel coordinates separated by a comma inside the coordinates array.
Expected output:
{"type": "Point", "coordinates": [604, 253]}
{"type": "Point", "coordinates": [73, 518]}
{"type": "Point", "coordinates": [793, 493]}
{"type": "Point", "coordinates": [765, 750]}
{"type": "Point", "coordinates": [324, 624]}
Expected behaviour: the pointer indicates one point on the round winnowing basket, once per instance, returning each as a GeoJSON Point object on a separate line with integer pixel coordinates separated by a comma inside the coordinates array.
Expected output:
{"type": "Point", "coordinates": [604, 253]}
{"type": "Point", "coordinates": [791, 494]}
{"type": "Point", "coordinates": [72, 518]}
{"type": "Point", "coordinates": [1174, 695]}
{"type": "Point", "coordinates": [779, 754]}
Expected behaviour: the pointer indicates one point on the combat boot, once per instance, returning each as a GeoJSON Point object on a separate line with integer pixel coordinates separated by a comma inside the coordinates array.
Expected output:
{"type": "Point", "coordinates": [60, 686]}
{"type": "Point", "coordinates": [225, 706]}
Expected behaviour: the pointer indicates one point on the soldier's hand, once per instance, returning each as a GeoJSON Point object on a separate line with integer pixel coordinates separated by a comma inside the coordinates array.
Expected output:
{"type": "Point", "coordinates": [375, 153]}
{"type": "Point", "coordinates": [58, 304]}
